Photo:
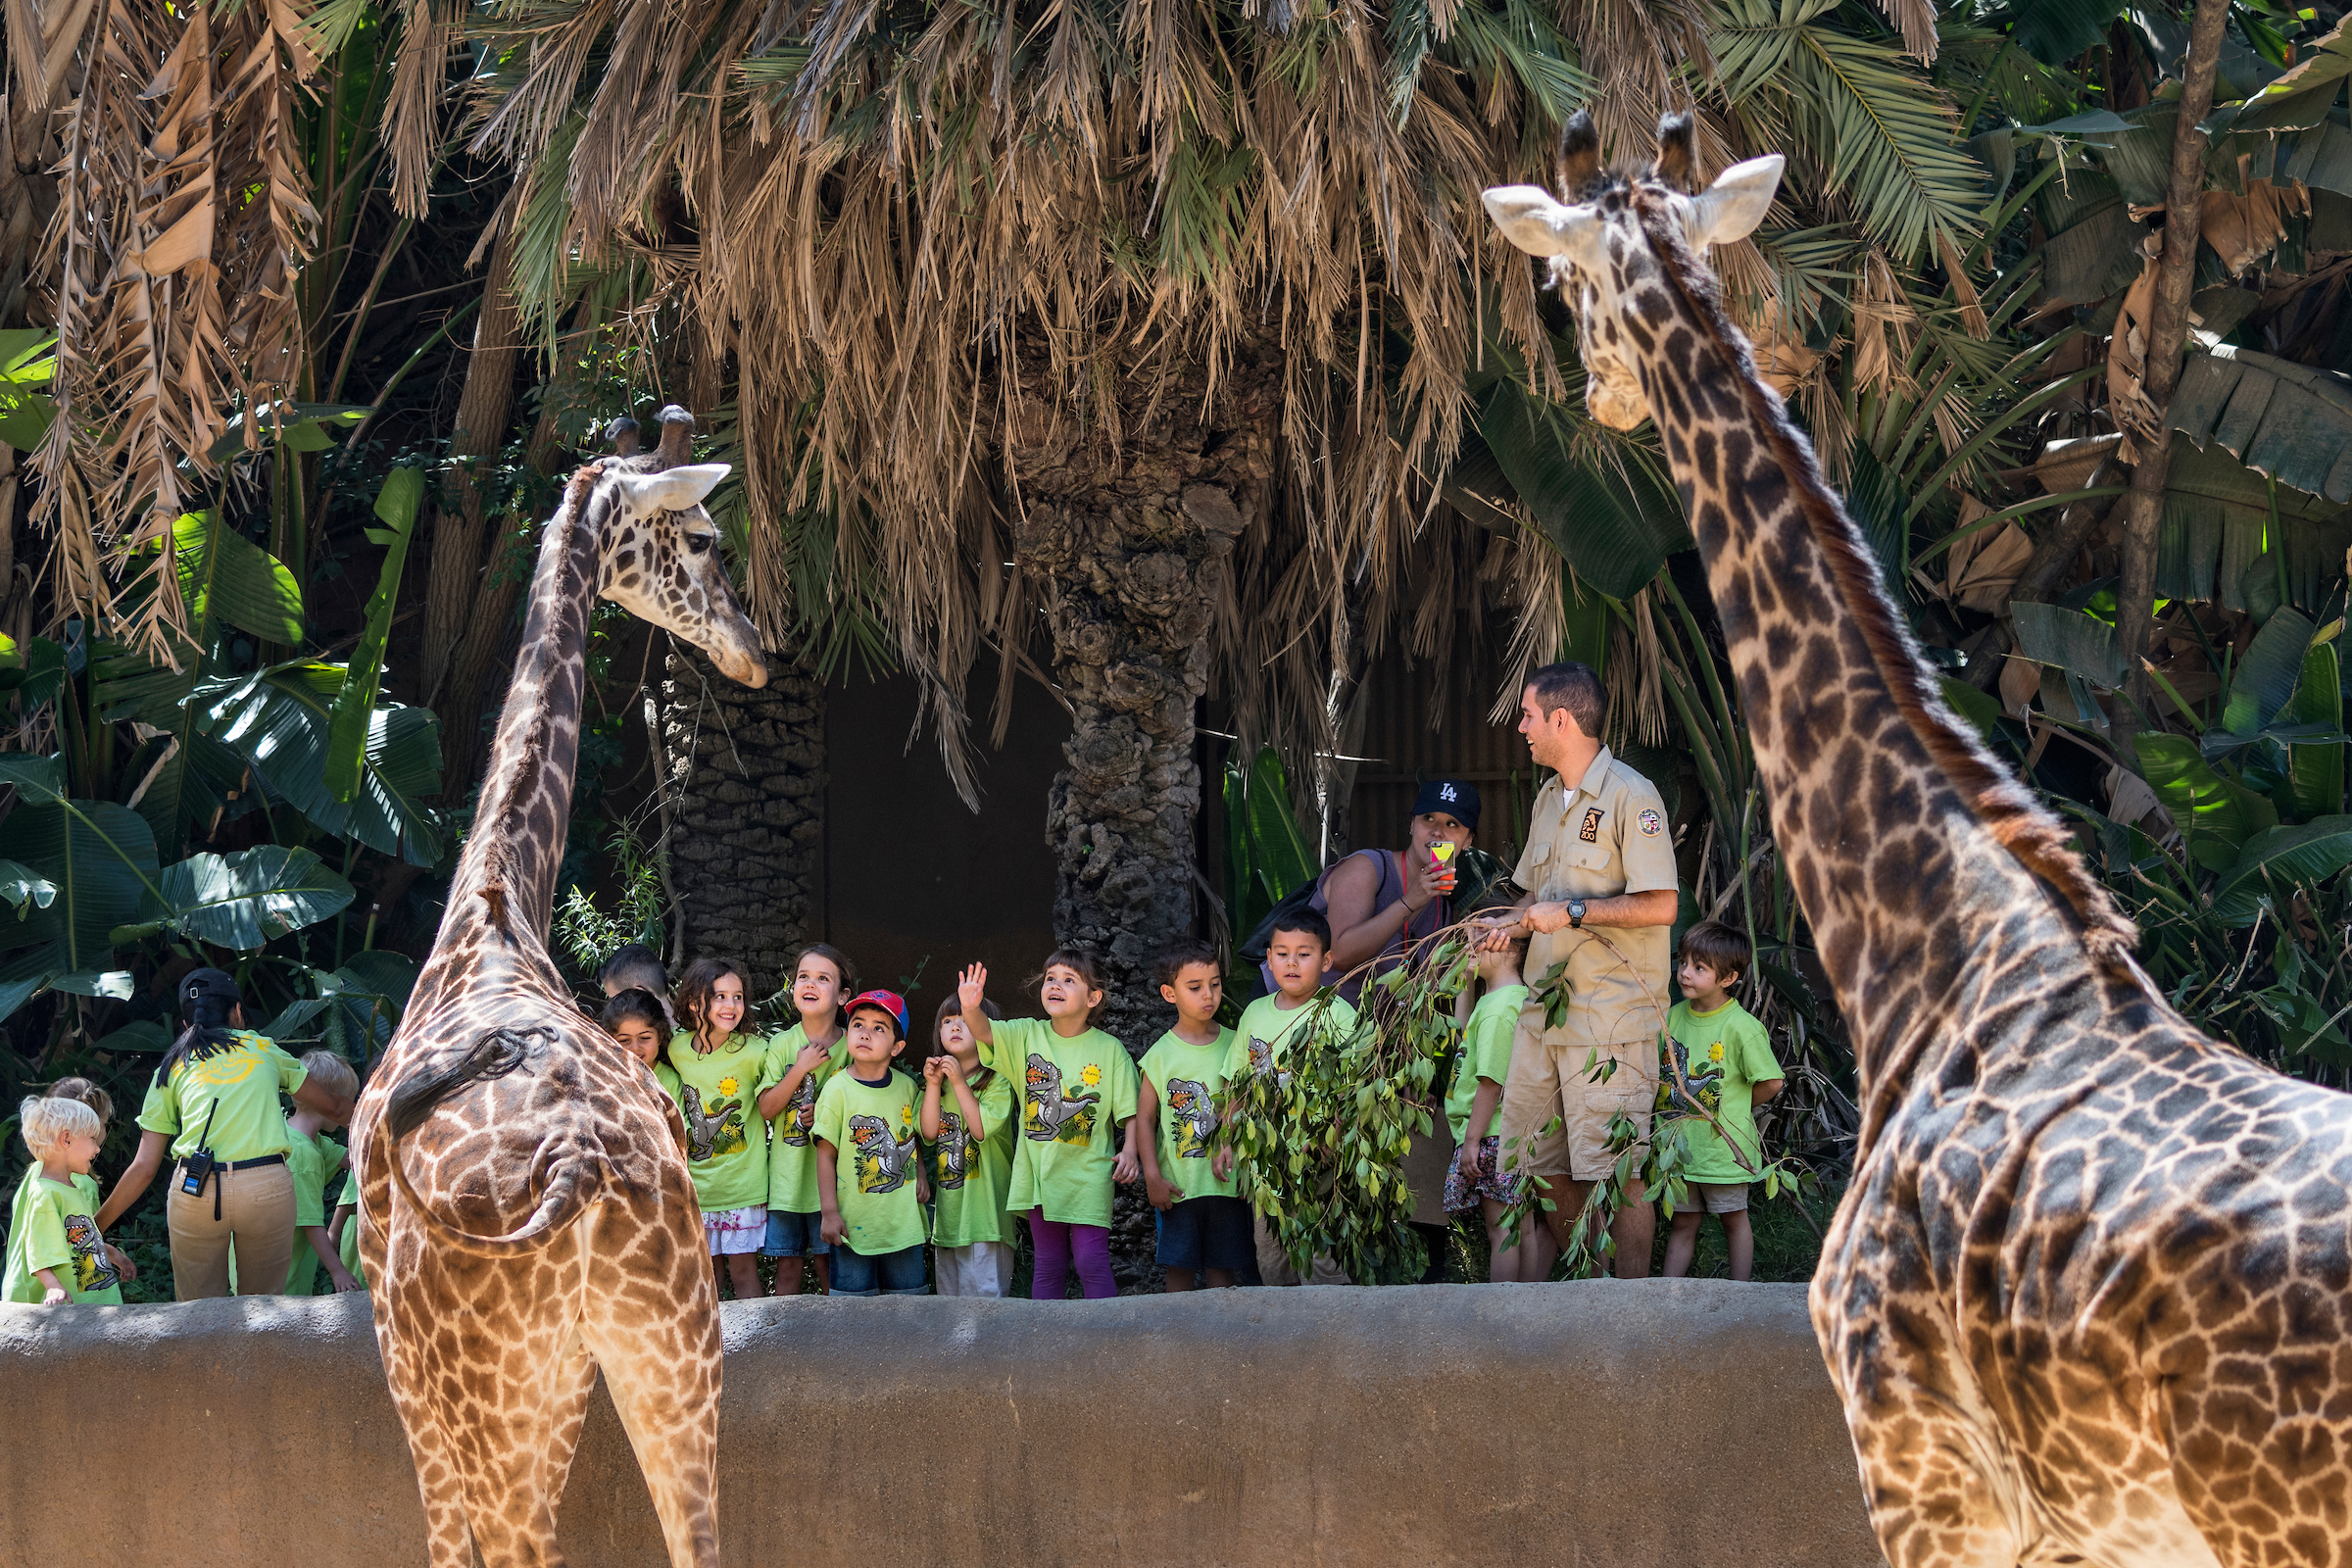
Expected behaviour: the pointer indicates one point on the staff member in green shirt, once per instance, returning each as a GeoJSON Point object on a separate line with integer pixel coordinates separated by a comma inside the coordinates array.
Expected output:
{"type": "Point", "coordinates": [214, 1102]}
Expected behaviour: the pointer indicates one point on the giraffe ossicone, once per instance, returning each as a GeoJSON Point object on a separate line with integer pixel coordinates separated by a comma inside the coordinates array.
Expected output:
{"type": "Point", "coordinates": [526, 1217]}
{"type": "Point", "coordinates": [2089, 1295]}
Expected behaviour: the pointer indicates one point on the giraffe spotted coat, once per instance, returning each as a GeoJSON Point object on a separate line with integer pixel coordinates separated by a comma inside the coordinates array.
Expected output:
{"type": "Point", "coordinates": [2086, 1300]}
{"type": "Point", "coordinates": [526, 1216]}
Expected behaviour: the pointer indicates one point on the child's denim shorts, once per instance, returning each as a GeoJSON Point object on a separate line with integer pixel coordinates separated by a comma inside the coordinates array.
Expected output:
{"type": "Point", "coordinates": [899, 1273]}
{"type": "Point", "coordinates": [1207, 1232]}
{"type": "Point", "coordinates": [795, 1236]}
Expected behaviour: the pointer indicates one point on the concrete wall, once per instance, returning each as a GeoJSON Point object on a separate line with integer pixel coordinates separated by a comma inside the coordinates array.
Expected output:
{"type": "Point", "coordinates": [1684, 1424]}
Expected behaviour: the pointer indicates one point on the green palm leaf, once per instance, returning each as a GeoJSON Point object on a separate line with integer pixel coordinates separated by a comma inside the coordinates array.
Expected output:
{"type": "Point", "coordinates": [280, 722]}
{"type": "Point", "coordinates": [243, 900]}
{"type": "Point", "coordinates": [1889, 137]}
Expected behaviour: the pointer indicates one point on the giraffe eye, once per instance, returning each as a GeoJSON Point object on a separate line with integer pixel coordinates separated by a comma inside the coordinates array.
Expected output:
{"type": "Point", "coordinates": [701, 543]}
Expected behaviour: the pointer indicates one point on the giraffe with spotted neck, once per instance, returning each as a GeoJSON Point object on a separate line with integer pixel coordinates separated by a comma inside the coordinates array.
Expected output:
{"type": "Point", "coordinates": [526, 1216]}
{"type": "Point", "coordinates": [2086, 1300]}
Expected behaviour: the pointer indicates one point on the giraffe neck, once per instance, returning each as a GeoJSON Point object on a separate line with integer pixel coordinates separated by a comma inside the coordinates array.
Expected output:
{"type": "Point", "coordinates": [506, 879]}
{"type": "Point", "coordinates": [1910, 849]}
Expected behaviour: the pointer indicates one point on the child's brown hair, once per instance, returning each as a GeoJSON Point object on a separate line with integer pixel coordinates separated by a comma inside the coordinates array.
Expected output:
{"type": "Point", "coordinates": [695, 986]}
{"type": "Point", "coordinates": [843, 969]}
{"type": "Point", "coordinates": [951, 1007]}
{"type": "Point", "coordinates": [89, 1094]}
{"type": "Point", "coordinates": [1089, 970]}
{"type": "Point", "coordinates": [1721, 948]}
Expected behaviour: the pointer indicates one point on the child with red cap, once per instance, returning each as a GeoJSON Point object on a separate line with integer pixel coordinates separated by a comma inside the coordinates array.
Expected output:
{"type": "Point", "coordinates": [867, 1176]}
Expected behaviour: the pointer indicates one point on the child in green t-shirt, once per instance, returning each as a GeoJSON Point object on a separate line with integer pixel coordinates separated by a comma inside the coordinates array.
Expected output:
{"type": "Point", "coordinates": [54, 1253]}
{"type": "Point", "coordinates": [1296, 952]}
{"type": "Point", "coordinates": [1078, 1089]}
{"type": "Point", "coordinates": [874, 1200]}
{"type": "Point", "coordinates": [1204, 1227]}
{"type": "Point", "coordinates": [721, 1069]}
{"type": "Point", "coordinates": [1719, 1065]}
{"type": "Point", "coordinates": [798, 1062]}
{"type": "Point", "coordinates": [967, 1122]}
{"type": "Point", "coordinates": [1478, 1184]}
{"type": "Point", "coordinates": [312, 1159]}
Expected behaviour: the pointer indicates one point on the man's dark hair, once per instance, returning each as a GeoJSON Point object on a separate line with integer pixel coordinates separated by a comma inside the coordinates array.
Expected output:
{"type": "Point", "coordinates": [634, 966]}
{"type": "Point", "coordinates": [1720, 947]}
{"type": "Point", "coordinates": [1308, 921]}
{"type": "Point", "coordinates": [1177, 958]}
{"type": "Point", "coordinates": [1575, 687]}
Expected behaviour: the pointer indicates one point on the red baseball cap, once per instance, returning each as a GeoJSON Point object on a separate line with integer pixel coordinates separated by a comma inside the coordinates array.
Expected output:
{"type": "Point", "coordinates": [889, 1001]}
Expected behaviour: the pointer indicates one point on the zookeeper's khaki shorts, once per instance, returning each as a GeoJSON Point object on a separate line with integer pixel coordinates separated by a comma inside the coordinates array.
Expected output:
{"type": "Point", "coordinates": [1548, 1078]}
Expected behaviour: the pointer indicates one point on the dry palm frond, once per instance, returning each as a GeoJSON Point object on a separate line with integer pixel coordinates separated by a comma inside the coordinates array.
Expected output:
{"type": "Point", "coordinates": [184, 218]}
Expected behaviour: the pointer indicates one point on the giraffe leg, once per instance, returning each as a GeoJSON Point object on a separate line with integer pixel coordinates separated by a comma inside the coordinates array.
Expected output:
{"type": "Point", "coordinates": [448, 1541]}
{"type": "Point", "coordinates": [672, 1422]}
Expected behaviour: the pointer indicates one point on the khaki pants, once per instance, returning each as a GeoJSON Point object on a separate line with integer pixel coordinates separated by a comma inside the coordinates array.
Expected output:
{"type": "Point", "coordinates": [1274, 1264]}
{"type": "Point", "coordinates": [1548, 1078]}
{"type": "Point", "coordinates": [257, 1219]}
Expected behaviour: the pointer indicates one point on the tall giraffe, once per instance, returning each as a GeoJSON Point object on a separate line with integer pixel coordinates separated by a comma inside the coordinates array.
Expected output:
{"type": "Point", "coordinates": [2086, 1299]}
{"type": "Point", "coordinates": [526, 1215]}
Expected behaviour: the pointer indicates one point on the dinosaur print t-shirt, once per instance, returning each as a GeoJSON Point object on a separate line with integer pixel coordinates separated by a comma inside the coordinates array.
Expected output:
{"type": "Point", "coordinates": [351, 1226]}
{"type": "Point", "coordinates": [53, 1225]}
{"type": "Point", "coordinates": [791, 1155]}
{"type": "Point", "coordinates": [717, 1095]}
{"type": "Point", "coordinates": [1485, 1053]}
{"type": "Point", "coordinates": [1189, 1081]}
{"type": "Point", "coordinates": [1268, 1030]}
{"type": "Point", "coordinates": [971, 1180]}
{"type": "Point", "coordinates": [1076, 1092]}
{"type": "Point", "coordinates": [871, 1128]}
{"type": "Point", "coordinates": [1723, 1056]}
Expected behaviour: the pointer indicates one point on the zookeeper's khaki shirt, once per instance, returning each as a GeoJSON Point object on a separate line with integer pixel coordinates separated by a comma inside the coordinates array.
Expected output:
{"type": "Point", "coordinates": [1606, 837]}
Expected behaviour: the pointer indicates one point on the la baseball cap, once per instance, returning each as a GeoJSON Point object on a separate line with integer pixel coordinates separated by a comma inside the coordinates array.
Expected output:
{"type": "Point", "coordinates": [1453, 796]}
{"type": "Point", "coordinates": [889, 1001]}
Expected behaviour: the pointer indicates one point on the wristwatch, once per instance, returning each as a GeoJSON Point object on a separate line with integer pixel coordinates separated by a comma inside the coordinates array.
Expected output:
{"type": "Point", "coordinates": [1575, 914]}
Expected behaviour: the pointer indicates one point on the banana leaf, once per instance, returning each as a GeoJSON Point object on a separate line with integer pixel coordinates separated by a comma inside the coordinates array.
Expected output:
{"type": "Point", "coordinates": [2217, 519]}
{"type": "Point", "coordinates": [347, 730]}
{"type": "Point", "coordinates": [2214, 814]}
{"type": "Point", "coordinates": [280, 720]}
{"type": "Point", "coordinates": [2292, 422]}
{"type": "Point", "coordinates": [2277, 861]}
{"type": "Point", "coordinates": [2267, 676]}
{"type": "Point", "coordinates": [225, 578]}
{"type": "Point", "coordinates": [99, 857]}
{"type": "Point", "coordinates": [2314, 773]}
{"type": "Point", "coordinates": [243, 900]}
{"type": "Point", "coordinates": [1602, 502]}
{"type": "Point", "coordinates": [2069, 640]}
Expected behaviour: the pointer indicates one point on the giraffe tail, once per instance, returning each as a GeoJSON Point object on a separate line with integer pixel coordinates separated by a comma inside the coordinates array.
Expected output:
{"type": "Point", "coordinates": [569, 1194]}
{"type": "Point", "coordinates": [574, 1185]}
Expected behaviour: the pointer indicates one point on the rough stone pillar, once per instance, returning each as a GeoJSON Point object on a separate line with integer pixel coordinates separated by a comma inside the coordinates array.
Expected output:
{"type": "Point", "coordinates": [746, 772]}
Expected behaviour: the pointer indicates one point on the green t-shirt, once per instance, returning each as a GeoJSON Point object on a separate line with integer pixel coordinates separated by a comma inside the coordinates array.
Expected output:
{"type": "Point", "coordinates": [351, 1227]}
{"type": "Point", "coordinates": [310, 1161]}
{"type": "Point", "coordinates": [1268, 1031]}
{"type": "Point", "coordinates": [727, 1148]}
{"type": "Point", "coordinates": [871, 1128]}
{"type": "Point", "coordinates": [1723, 1054]}
{"type": "Point", "coordinates": [1189, 1081]}
{"type": "Point", "coordinates": [969, 1183]}
{"type": "Point", "coordinates": [792, 1157]}
{"type": "Point", "coordinates": [1485, 1053]}
{"type": "Point", "coordinates": [237, 1089]}
{"type": "Point", "coordinates": [53, 1225]}
{"type": "Point", "coordinates": [1075, 1093]}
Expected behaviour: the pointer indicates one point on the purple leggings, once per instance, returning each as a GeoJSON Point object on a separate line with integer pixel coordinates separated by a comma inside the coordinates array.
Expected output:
{"type": "Point", "coordinates": [1056, 1242]}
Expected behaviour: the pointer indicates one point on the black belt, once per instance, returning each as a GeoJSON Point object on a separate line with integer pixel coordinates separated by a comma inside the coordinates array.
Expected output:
{"type": "Point", "coordinates": [247, 1164]}
{"type": "Point", "coordinates": [220, 1166]}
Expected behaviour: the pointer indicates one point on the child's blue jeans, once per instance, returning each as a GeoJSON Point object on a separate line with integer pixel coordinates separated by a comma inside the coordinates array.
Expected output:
{"type": "Point", "coordinates": [899, 1273]}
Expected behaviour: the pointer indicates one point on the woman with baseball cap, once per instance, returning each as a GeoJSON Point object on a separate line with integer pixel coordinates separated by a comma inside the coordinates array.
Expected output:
{"type": "Point", "coordinates": [214, 1104]}
{"type": "Point", "coordinates": [1381, 902]}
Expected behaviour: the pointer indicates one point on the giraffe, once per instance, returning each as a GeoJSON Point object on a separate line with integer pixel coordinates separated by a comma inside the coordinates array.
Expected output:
{"type": "Point", "coordinates": [526, 1216]}
{"type": "Point", "coordinates": [2086, 1298]}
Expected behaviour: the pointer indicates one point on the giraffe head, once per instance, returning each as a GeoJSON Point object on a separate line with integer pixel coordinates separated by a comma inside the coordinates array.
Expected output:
{"type": "Point", "coordinates": [1599, 255]}
{"type": "Point", "coordinates": [659, 559]}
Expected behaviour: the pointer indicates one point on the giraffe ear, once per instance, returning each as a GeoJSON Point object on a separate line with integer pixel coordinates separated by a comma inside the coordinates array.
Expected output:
{"type": "Point", "coordinates": [1531, 219]}
{"type": "Point", "coordinates": [1731, 209]}
{"type": "Point", "coordinates": [672, 489]}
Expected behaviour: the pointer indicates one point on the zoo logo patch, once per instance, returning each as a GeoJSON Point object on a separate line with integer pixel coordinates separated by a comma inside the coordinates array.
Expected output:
{"type": "Point", "coordinates": [1650, 824]}
{"type": "Point", "coordinates": [1589, 833]}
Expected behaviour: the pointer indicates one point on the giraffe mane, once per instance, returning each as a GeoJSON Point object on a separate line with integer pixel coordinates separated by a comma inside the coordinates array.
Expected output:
{"type": "Point", "coordinates": [2008, 809]}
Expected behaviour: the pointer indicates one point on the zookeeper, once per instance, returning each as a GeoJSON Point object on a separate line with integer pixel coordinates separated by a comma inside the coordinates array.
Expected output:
{"type": "Point", "coordinates": [1600, 873]}
{"type": "Point", "coordinates": [215, 1094]}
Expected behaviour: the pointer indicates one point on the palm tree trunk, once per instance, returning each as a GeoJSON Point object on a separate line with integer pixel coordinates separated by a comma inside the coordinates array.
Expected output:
{"type": "Point", "coordinates": [1128, 540]}
{"type": "Point", "coordinates": [745, 771]}
{"type": "Point", "coordinates": [453, 572]}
